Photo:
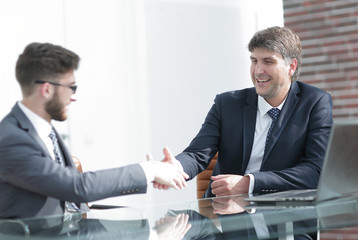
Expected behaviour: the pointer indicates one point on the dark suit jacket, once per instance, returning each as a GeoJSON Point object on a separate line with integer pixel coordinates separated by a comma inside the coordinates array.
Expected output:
{"type": "Point", "coordinates": [296, 147]}
{"type": "Point", "coordinates": [32, 184]}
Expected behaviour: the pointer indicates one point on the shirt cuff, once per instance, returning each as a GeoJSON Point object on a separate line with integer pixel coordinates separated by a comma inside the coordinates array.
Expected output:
{"type": "Point", "coordinates": [148, 171]}
{"type": "Point", "coordinates": [252, 183]}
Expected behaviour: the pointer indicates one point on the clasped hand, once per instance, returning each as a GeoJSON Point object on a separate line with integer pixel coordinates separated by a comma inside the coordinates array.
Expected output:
{"type": "Point", "coordinates": [172, 227]}
{"type": "Point", "coordinates": [168, 173]}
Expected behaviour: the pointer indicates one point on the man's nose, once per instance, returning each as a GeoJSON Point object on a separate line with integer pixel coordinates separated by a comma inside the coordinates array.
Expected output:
{"type": "Point", "coordinates": [259, 69]}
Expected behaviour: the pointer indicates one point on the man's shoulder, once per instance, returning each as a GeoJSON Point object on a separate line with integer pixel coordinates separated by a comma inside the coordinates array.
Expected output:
{"type": "Point", "coordinates": [306, 88]}
{"type": "Point", "coordinates": [238, 94]}
{"type": "Point", "coordinates": [7, 122]}
{"type": "Point", "coordinates": [10, 129]}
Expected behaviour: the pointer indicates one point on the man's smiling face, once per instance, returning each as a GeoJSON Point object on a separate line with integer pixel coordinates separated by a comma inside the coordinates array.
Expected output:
{"type": "Point", "coordinates": [271, 75]}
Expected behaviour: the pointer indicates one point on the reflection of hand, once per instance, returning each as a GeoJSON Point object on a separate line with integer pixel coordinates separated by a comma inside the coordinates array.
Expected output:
{"type": "Point", "coordinates": [229, 205]}
{"type": "Point", "coordinates": [168, 158]}
{"type": "Point", "coordinates": [229, 184]}
{"type": "Point", "coordinates": [172, 228]}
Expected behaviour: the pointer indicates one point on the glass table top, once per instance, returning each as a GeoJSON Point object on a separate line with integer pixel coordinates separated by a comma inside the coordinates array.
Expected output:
{"type": "Point", "coordinates": [228, 217]}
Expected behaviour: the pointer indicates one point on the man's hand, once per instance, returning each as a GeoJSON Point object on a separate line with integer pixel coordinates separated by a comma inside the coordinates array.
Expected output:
{"type": "Point", "coordinates": [229, 205]}
{"type": "Point", "coordinates": [229, 184]}
{"type": "Point", "coordinates": [174, 228]}
{"type": "Point", "coordinates": [168, 158]}
{"type": "Point", "coordinates": [169, 175]}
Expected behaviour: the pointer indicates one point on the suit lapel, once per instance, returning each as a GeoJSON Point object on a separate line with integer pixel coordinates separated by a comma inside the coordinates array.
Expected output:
{"type": "Point", "coordinates": [66, 155]}
{"type": "Point", "coordinates": [249, 124]}
{"type": "Point", "coordinates": [285, 115]}
{"type": "Point", "coordinates": [26, 125]}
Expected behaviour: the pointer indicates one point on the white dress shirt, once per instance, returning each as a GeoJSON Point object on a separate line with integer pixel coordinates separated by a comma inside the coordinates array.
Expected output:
{"type": "Point", "coordinates": [263, 122]}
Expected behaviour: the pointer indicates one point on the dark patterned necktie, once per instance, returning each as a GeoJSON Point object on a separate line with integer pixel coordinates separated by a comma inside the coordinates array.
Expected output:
{"type": "Point", "coordinates": [273, 113]}
{"type": "Point", "coordinates": [56, 148]}
{"type": "Point", "coordinates": [70, 206]}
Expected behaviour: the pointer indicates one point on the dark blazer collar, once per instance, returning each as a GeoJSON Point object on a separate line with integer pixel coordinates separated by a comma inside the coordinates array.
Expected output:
{"type": "Point", "coordinates": [27, 126]}
{"type": "Point", "coordinates": [22, 119]}
{"type": "Point", "coordinates": [286, 113]}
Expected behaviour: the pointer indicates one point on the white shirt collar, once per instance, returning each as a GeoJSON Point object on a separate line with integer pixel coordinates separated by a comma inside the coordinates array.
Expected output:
{"type": "Point", "coordinates": [42, 127]}
{"type": "Point", "coordinates": [264, 106]}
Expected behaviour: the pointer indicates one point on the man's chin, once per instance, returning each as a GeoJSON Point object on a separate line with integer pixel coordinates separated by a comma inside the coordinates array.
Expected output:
{"type": "Point", "coordinates": [61, 118]}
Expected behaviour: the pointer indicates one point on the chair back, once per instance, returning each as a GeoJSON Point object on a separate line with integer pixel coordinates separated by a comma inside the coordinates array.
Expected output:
{"type": "Point", "coordinates": [203, 178]}
{"type": "Point", "coordinates": [77, 164]}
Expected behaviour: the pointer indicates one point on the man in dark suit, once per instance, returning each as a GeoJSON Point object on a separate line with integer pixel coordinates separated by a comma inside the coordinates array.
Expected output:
{"type": "Point", "coordinates": [263, 150]}
{"type": "Point", "coordinates": [37, 174]}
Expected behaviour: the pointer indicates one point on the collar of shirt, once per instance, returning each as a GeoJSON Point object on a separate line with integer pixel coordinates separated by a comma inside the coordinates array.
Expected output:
{"type": "Point", "coordinates": [264, 106]}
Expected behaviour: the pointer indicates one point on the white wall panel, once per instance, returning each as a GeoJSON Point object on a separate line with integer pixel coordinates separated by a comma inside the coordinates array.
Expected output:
{"type": "Point", "coordinates": [149, 72]}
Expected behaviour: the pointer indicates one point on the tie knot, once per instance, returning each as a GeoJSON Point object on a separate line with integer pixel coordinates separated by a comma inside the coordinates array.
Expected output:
{"type": "Point", "coordinates": [273, 113]}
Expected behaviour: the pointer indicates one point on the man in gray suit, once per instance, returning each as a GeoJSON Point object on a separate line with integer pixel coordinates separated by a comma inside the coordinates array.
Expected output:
{"type": "Point", "coordinates": [37, 174]}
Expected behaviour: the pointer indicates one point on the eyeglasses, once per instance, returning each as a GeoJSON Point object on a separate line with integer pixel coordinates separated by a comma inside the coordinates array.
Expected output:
{"type": "Point", "coordinates": [72, 87]}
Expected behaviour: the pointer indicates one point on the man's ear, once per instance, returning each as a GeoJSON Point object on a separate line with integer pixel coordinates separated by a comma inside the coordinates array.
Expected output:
{"type": "Point", "coordinates": [293, 66]}
{"type": "Point", "coordinates": [46, 90]}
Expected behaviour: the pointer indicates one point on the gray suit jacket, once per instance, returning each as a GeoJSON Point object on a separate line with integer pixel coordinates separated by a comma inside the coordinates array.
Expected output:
{"type": "Point", "coordinates": [32, 184]}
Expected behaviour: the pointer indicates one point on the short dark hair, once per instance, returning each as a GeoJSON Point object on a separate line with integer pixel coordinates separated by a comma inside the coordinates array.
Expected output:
{"type": "Point", "coordinates": [281, 40]}
{"type": "Point", "coordinates": [43, 61]}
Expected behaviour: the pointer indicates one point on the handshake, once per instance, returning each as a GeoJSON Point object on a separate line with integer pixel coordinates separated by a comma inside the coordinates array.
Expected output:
{"type": "Point", "coordinates": [166, 173]}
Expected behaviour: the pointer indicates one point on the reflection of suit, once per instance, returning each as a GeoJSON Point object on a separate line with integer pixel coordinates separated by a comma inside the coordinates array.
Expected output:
{"type": "Point", "coordinates": [254, 226]}
{"type": "Point", "coordinates": [32, 184]}
{"type": "Point", "coordinates": [296, 146]}
{"type": "Point", "coordinates": [76, 228]}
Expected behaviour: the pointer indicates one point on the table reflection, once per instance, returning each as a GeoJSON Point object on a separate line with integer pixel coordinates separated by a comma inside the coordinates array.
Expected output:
{"type": "Point", "coordinates": [217, 218]}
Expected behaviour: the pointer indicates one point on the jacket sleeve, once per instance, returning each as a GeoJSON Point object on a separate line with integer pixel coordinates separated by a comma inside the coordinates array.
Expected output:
{"type": "Point", "coordinates": [197, 156]}
{"type": "Point", "coordinates": [23, 165]}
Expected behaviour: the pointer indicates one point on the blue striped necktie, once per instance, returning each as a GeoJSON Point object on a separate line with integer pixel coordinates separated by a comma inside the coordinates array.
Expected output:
{"type": "Point", "coordinates": [273, 113]}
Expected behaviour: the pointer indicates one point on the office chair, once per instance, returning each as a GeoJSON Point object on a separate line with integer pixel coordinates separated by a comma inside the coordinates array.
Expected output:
{"type": "Point", "coordinates": [202, 183]}
{"type": "Point", "coordinates": [77, 164]}
{"type": "Point", "coordinates": [203, 178]}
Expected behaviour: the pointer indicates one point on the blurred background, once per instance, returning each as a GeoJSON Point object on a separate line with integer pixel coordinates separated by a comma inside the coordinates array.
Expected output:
{"type": "Point", "coordinates": [150, 69]}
